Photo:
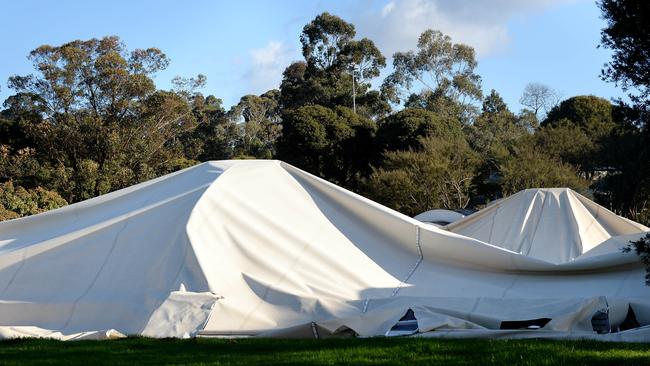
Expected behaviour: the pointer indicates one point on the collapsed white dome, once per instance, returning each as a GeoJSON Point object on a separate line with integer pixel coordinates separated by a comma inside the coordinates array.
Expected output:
{"type": "Point", "coordinates": [263, 248]}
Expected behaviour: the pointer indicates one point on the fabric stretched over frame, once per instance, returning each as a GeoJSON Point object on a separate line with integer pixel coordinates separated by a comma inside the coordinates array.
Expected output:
{"type": "Point", "coordinates": [263, 248]}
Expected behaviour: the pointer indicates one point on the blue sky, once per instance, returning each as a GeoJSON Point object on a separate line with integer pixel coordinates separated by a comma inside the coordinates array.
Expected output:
{"type": "Point", "coordinates": [242, 46]}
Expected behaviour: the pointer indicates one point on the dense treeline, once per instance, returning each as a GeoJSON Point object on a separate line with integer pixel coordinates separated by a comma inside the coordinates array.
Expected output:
{"type": "Point", "coordinates": [90, 120]}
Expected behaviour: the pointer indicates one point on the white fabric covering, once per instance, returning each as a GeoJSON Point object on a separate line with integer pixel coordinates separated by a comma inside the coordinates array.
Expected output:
{"type": "Point", "coordinates": [36, 332]}
{"type": "Point", "coordinates": [439, 215]}
{"type": "Point", "coordinates": [263, 248]}
{"type": "Point", "coordinates": [557, 225]}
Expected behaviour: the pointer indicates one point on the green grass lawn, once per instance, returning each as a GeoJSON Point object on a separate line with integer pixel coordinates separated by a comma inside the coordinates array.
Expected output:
{"type": "Point", "coordinates": [266, 352]}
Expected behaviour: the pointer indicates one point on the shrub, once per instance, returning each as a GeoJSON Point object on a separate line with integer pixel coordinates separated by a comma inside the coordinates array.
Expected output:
{"type": "Point", "coordinates": [642, 248]}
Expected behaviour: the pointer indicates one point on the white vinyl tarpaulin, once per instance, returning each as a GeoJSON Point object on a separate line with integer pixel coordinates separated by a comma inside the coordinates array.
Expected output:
{"type": "Point", "coordinates": [262, 248]}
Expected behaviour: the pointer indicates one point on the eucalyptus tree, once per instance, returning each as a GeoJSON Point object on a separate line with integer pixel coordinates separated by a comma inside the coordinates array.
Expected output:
{"type": "Point", "coordinates": [336, 69]}
{"type": "Point", "coordinates": [440, 72]}
{"type": "Point", "coordinates": [97, 118]}
{"type": "Point", "coordinates": [259, 123]}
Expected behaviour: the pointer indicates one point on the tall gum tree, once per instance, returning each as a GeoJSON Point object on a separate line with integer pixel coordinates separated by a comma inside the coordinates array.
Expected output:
{"type": "Point", "coordinates": [337, 69]}
{"type": "Point", "coordinates": [441, 72]}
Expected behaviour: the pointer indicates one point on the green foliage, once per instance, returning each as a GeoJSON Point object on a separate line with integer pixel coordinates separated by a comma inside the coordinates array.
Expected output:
{"type": "Point", "coordinates": [258, 119]}
{"type": "Point", "coordinates": [16, 201]}
{"type": "Point", "coordinates": [626, 186]}
{"type": "Point", "coordinates": [7, 214]}
{"type": "Point", "coordinates": [364, 58]}
{"type": "Point", "coordinates": [594, 115]}
{"type": "Point", "coordinates": [335, 144]}
{"type": "Point", "coordinates": [323, 40]}
{"type": "Point", "coordinates": [525, 166]}
{"type": "Point", "coordinates": [627, 34]}
{"type": "Point", "coordinates": [569, 143]}
{"type": "Point", "coordinates": [444, 69]}
{"type": "Point", "coordinates": [214, 135]}
{"type": "Point", "coordinates": [576, 131]}
{"type": "Point", "coordinates": [439, 174]}
{"type": "Point", "coordinates": [642, 248]}
{"type": "Point", "coordinates": [403, 130]}
{"type": "Point", "coordinates": [93, 118]}
{"type": "Point", "coordinates": [494, 132]}
{"type": "Point", "coordinates": [295, 89]}
{"type": "Point", "coordinates": [12, 134]}
{"type": "Point", "coordinates": [334, 60]}
{"type": "Point", "coordinates": [178, 164]}
{"type": "Point", "coordinates": [496, 127]}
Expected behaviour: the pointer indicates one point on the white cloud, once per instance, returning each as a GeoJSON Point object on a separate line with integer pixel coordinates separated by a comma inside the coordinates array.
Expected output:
{"type": "Point", "coordinates": [266, 66]}
{"type": "Point", "coordinates": [266, 55]}
{"type": "Point", "coordinates": [387, 9]}
{"type": "Point", "coordinates": [479, 23]}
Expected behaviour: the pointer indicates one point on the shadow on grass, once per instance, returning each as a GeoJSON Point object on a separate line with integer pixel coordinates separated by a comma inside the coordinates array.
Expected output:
{"type": "Point", "coordinates": [375, 351]}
